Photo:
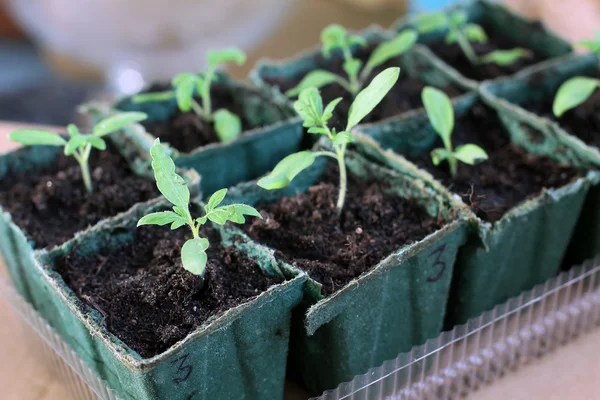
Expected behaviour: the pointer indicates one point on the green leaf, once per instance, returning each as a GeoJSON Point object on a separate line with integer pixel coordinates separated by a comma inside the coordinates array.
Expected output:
{"type": "Point", "coordinates": [31, 137]}
{"type": "Point", "coordinates": [475, 33]}
{"type": "Point", "coordinates": [215, 199]}
{"type": "Point", "coordinates": [184, 90]}
{"type": "Point", "coordinates": [97, 142]}
{"type": "Point", "coordinates": [74, 143]}
{"type": "Point", "coordinates": [116, 122]}
{"type": "Point", "coordinates": [183, 211]}
{"type": "Point", "coordinates": [371, 96]}
{"type": "Point", "coordinates": [310, 107]}
{"type": "Point", "coordinates": [228, 125]}
{"type": "Point", "coordinates": [328, 111]}
{"type": "Point", "coordinates": [73, 130]}
{"type": "Point", "coordinates": [156, 96]}
{"type": "Point", "coordinates": [356, 40]}
{"type": "Point", "coordinates": [318, 130]}
{"type": "Point", "coordinates": [431, 22]}
{"type": "Point", "coordinates": [458, 18]}
{"type": "Point", "coordinates": [160, 218]}
{"type": "Point", "coordinates": [342, 138]}
{"type": "Point", "coordinates": [451, 37]}
{"type": "Point", "coordinates": [572, 93]}
{"type": "Point", "coordinates": [440, 112]}
{"type": "Point", "coordinates": [178, 223]}
{"type": "Point", "coordinates": [393, 48]}
{"type": "Point", "coordinates": [505, 57]}
{"type": "Point", "coordinates": [230, 54]}
{"type": "Point", "coordinates": [333, 36]}
{"type": "Point", "coordinates": [314, 79]}
{"type": "Point", "coordinates": [352, 66]}
{"type": "Point", "coordinates": [287, 169]}
{"type": "Point", "coordinates": [470, 154]}
{"type": "Point", "coordinates": [193, 256]}
{"type": "Point", "coordinates": [439, 155]}
{"type": "Point", "coordinates": [593, 45]}
{"type": "Point", "coordinates": [171, 185]}
{"type": "Point", "coordinates": [233, 212]}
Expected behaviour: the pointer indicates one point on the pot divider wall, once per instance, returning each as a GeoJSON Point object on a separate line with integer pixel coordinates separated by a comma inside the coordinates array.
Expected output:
{"type": "Point", "coordinates": [239, 354]}
{"type": "Point", "coordinates": [526, 33]}
{"type": "Point", "coordinates": [522, 249]}
{"type": "Point", "coordinates": [16, 248]}
{"type": "Point", "coordinates": [398, 303]}
{"type": "Point", "coordinates": [276, 133]}
{"type": "Point", "coordinates": [547, 136]}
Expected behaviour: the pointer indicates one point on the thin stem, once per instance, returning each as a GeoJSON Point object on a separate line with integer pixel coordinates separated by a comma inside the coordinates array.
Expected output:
{"type": "Point", "coordinates": [206, 102]}
{"type": "Point", "coordinates": [466, 47]}
{"type": "Point", "coordinates": [343, 179]}
{"type": "Point", "coordinates": [354, 84]}
{"type": "Point", "coordinates": [200, 111]}
{"type": "Point", "coordinates": [452, 161]}
{"type": "Point", "coordinates": [82, 158]}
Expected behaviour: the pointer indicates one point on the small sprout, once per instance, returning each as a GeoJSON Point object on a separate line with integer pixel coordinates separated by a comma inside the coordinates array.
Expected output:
{"type": "Point", "coordinates": [335, 36]}
{"type": "Point", "coordinates": [79, 145]}
{"type": "Point", "coordinates": [186, 85]}
{"type": "Point", "coordinates": [174, 189]}
{"type": "Point", "coordinates": [310, 108]}
{"type": "Point", "coordinates": [441, 115]}
{"type": "Point", "coordinates": [462, 32]}
{"type": "Point", "coordinates": [572, 93]}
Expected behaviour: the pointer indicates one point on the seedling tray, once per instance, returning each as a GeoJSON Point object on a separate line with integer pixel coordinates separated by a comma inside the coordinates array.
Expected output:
{"type": "Point", "coordinates": [453, 365]}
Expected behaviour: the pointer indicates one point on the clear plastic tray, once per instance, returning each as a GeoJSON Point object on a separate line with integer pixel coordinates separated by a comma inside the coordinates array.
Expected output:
{"type": "Point", "coordinates": [450, 366]}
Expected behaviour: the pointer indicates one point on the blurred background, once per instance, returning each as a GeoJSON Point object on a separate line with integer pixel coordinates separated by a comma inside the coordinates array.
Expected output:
{"type": "Point", "coordinates": [55, 54]}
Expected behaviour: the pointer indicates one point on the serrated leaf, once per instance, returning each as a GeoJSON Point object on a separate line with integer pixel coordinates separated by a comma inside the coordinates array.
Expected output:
{"type": "Point", "coordinates": [118, 121]}
{"type": "Point", "coordinates": [343, 138]}
{"type": "Point", "coordinates": [287, 169]}
{"type": "Point", "coordinates": [155, 96]}
{"type": "Point", "coordinates": [470, 154]}
{"type": "Point", "coordinates": [310, 107]}
{"type": "Point", "coordinates": [193, 256]}
{"type": "Point", "coordinates": [183, 211]}
{"type": "Point", "coordinates": [314, 79]}
{"type": "Point", "coordinates": [328, 111]}
{"type": "Point", "coordinates": [431, 22]}
{"type": "Point", "coordinates": [230, 54]}
{"type": "Point", "coordinates": [371, 96]}
{"type": "Point", "coordinates": [74, 143]}
{"type": "Point", "coordinates": [218, 216]}
{"type": "Point", "coordinates": [227, 125]}
{"type": "Point", "coordinates": [475, 33]}
{"type": "Point", "coordinates": [572, 93]}
{"type": "Point", "coordinates": [352, 66]}
{"type": "Point", "coordinates": [171, 185]}
{"type": "Point", "coordinates": [505, 57]}
{"type": "Point", "coordinates": [393, 48]}
{"type": "Point", "coordinates": [233, 212]}
{"type": "Point", "coordinates": [73, 130]}
{"type": "Point", "coordinates": [440, 112]}
{"type": "Point", "coordinates": [185, 85]}
{"type": "Point", "coordinates": [160, 218]}
{"type": "Point", "coordinates": [97, 142]}
{"type": "Point", "coordinates": [439, 155]}
{"type": "Point", "coordinates": [30, 137]}
{"type": "Point", "coordinates": [215, 199]}
{"type": "Point", "coordinates": [178, 223]}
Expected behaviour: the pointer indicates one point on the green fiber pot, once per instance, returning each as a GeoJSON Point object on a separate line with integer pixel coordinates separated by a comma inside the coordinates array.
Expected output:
{"type": "Point", "coordinates": [399, 303]}
{"type": "Point", "coordinates": [276, 134]}
{"type": "Point", "coordinates": [527, 33]}
{"type": "Point", "coordinates": [536, 86]}
{"type": "Point", "coordinates": [416, 64]}
{"type": "Point", "coordinates": [16, 248]}
{"type": "Point", "coordinates": [238, 354]}
{"type": "Point", "coordinates": [517, 252]}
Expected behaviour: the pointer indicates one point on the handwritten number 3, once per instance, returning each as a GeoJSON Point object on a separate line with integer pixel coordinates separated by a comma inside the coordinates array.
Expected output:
{"type": "Point", "coordinates": [442, 265]}
{"type": "Point", "coordinates": [183, 371]}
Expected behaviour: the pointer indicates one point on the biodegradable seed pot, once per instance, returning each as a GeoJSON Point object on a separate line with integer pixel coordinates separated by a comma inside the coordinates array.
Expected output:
{"type": "Point", "coordinates": [44, 203]}
{"type": "Point", "coordinates": [379, 273]}
{"type": "Point", "coordinates": [519, 198]}
{"type": "Point", "coordinates": [118, 295]}
{"type": "Point", "coordinates": [526, 103]}
{"type": "Point", "coordinates": [504, 31]}
{"type": "Point", "coordinates": [269, 133]}
{"type": "Point", "coordinates": [277, 77]}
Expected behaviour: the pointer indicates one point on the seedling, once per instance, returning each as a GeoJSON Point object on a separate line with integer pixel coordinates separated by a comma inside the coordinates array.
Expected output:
{"type": "Point", "coordinates": [310, 108]}
{"type": "Point", "coordinates": [462, 32]}
{"type": "Point", "coordinates": [577, 90]}
{"type": "Point", "coordinates": [174, 189]}
{"type": "Point", "coordinates": [441, 115]}
{"type": "Point", "coordinates": [79, 145]}
{"type": "Point", "coordinates": [186, 85]}
{"type": "Point", "coordinates": [335, 36]}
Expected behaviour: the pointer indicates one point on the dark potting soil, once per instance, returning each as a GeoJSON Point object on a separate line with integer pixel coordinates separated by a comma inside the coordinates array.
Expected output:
{"type": "Point", "coordinates": [404, 96]}
{"type": "Point", "coordinates": [52, 205]}
{"type": "Point", "coordinates": [508, 177]}
{"type": "Point", "coordinates": [306, 231]}
{"type": "Point", "coordinates": [187, 131]}
{"type": "Point", "coordinates": [146, 297]}
{"type": "Point", "coordinates": [453, 55]}
{"type": "Point", "coordinates": [582, 121]}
